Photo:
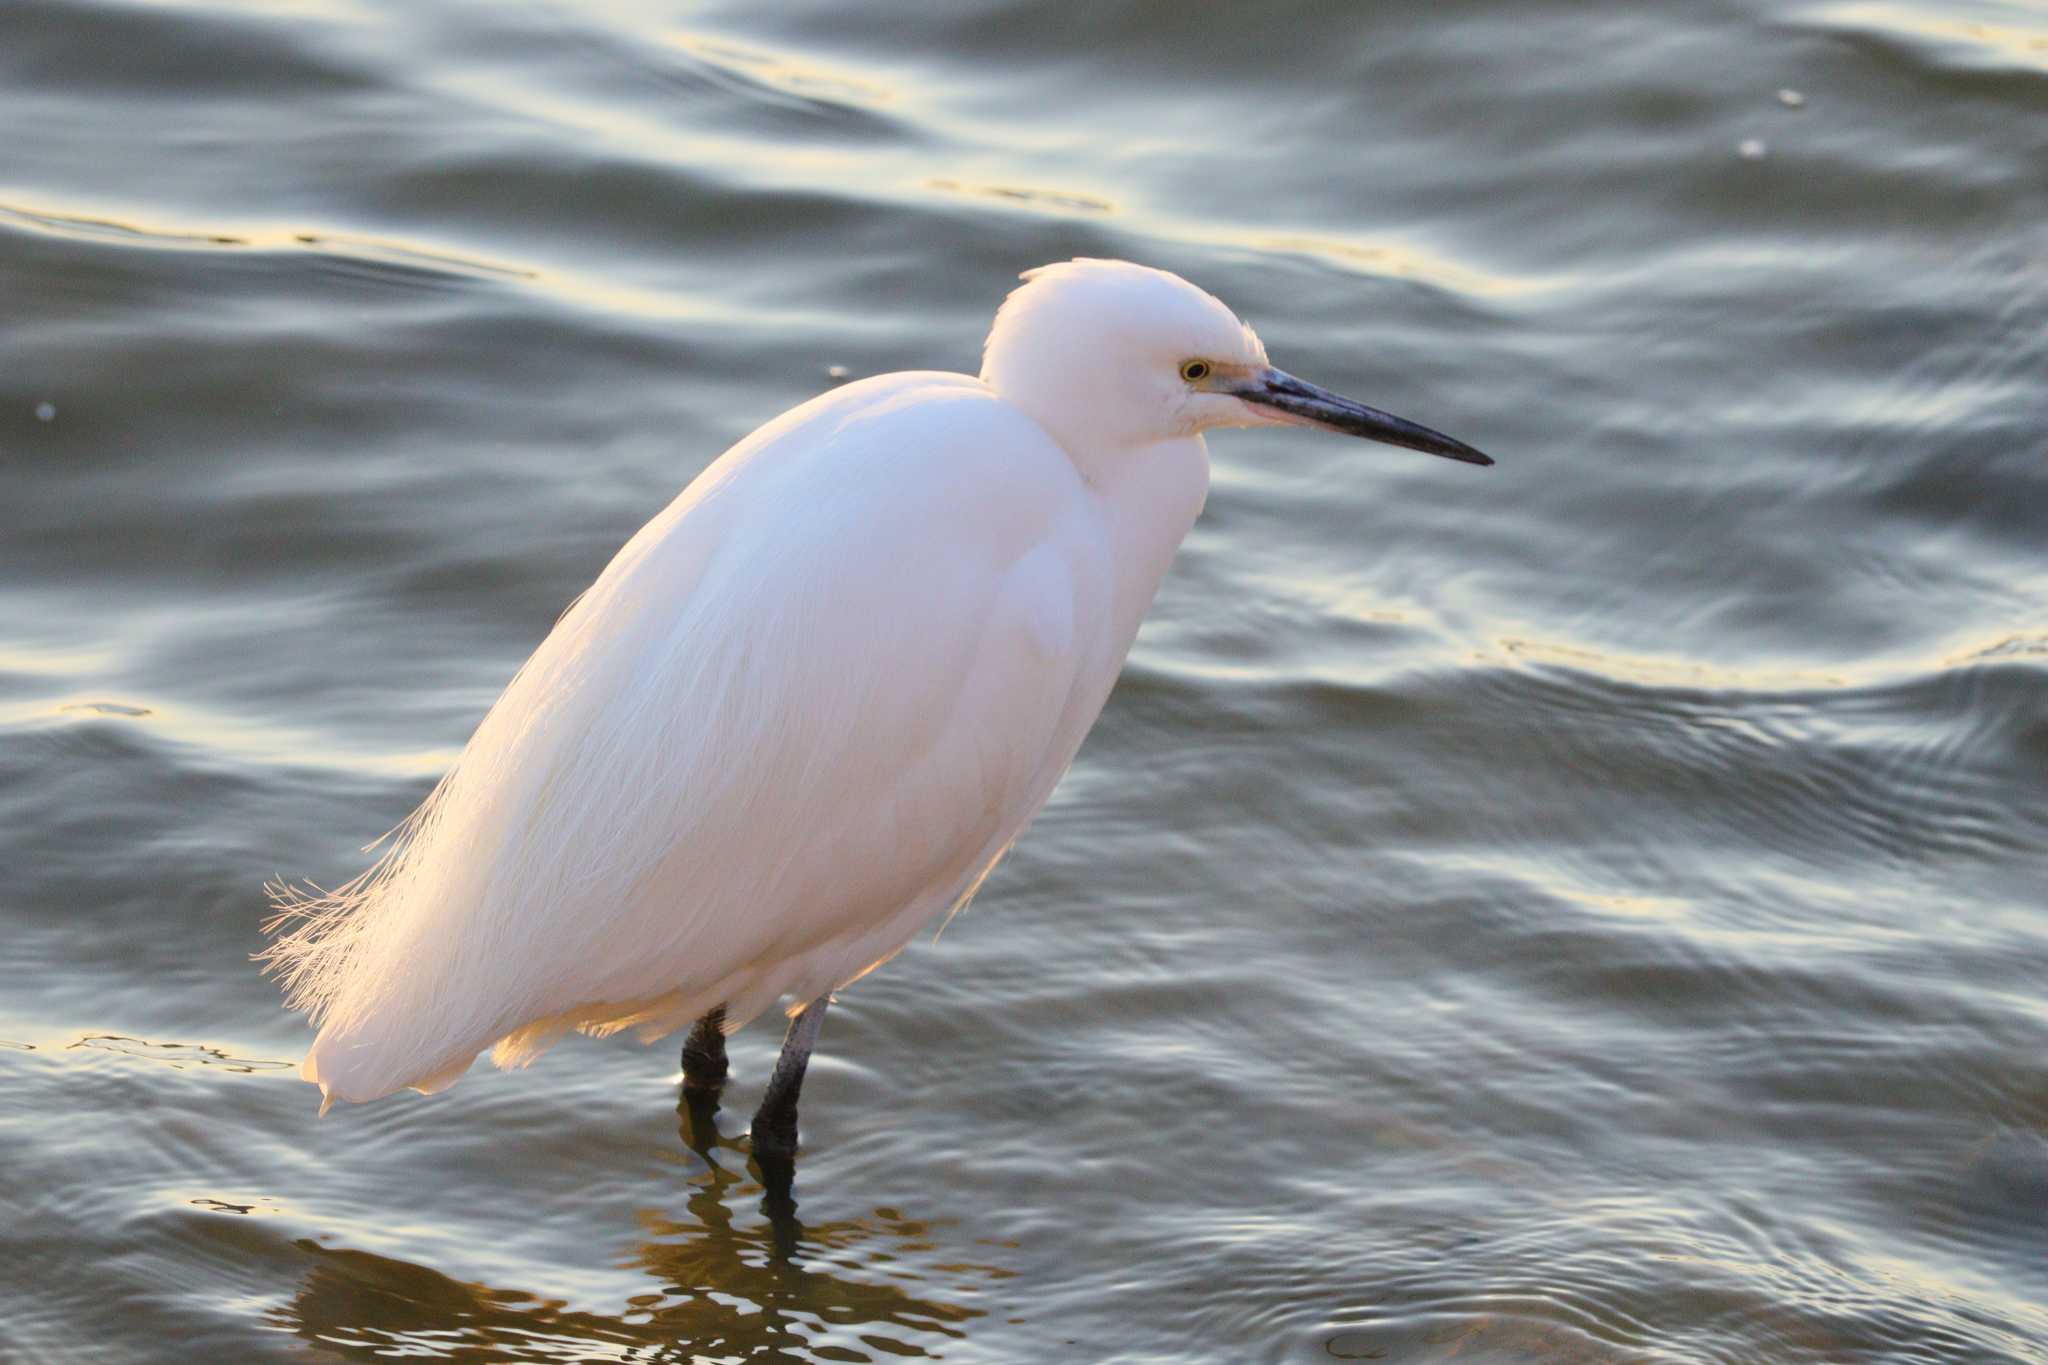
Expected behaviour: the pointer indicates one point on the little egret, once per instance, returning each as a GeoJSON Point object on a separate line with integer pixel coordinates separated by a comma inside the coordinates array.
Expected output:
{"type": "Point", "coordinates": [806, 708]}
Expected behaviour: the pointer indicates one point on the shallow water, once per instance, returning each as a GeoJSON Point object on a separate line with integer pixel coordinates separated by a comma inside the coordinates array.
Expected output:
{"type": "Point", "coordinates": [1589, 909]}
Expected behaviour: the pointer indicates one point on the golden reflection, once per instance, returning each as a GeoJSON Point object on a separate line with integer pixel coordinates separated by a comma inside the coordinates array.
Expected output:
{"type": "Point", "coordinates": [556, 281]}
{"type": "Point", "coordinates": [1665, 908]}
{"type": "Point", "coordinates": [251, 741]}
{"type": "Point", "coordinates": [106, 227]}
{"type": "Point", "coordinates": [1057, 201]}
{"type": "Point", "coordinates": [805, 78]}
{"type": "Point", "coordinates": [2028, 46]}
{"type": "Point", "coordinates": [1670, 670]}
{"type": "Point", "coordinates": [725, 1284]}
{"type": "Point", "coordinates": [2030, 644]}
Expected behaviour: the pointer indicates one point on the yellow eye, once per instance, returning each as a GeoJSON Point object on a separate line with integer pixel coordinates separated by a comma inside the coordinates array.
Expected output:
{"type": "Point", "coordinates": [1194, 371]}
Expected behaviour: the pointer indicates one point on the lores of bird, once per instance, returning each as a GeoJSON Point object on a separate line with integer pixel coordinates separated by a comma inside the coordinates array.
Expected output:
{"type": "Point", "coordinates": [805, 709]}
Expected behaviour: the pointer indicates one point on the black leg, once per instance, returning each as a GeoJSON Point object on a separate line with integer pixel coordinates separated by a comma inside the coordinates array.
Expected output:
{"type": "Point", "coordinates": [775, 1120]}
{"type": "Point", "coordinates": [704, 1065]}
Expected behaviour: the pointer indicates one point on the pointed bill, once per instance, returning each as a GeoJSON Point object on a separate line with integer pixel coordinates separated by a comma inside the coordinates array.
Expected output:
{"type": "Point", "coordinates": [1297, 402]}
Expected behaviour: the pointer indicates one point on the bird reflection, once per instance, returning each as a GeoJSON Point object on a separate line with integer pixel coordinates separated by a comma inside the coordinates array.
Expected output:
{"type": "Point", "coordinates": [724, 1285]}
{"type": "Point", "coordinates": [697, 1125]}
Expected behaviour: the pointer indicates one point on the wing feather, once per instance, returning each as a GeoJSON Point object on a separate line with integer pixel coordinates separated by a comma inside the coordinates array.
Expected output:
{"type": "Point", "coordinates": [812, 699]}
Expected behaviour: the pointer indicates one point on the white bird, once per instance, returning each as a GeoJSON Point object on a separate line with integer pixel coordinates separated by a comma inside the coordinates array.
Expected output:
{"type": "Point", "coordinates": [806, 709]}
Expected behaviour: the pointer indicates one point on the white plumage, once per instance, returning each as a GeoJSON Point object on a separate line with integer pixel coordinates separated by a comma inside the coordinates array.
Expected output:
{"type": "Point", "coordinates": [804, 710]}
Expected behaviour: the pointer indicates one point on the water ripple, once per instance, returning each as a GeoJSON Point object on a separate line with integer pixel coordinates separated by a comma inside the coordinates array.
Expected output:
{"type": "Point", "coordinates": [1588, 911]}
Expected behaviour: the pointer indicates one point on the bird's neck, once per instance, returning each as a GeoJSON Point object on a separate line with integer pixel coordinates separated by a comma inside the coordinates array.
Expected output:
{"type": "Point", "coordinates": [1151, 496]}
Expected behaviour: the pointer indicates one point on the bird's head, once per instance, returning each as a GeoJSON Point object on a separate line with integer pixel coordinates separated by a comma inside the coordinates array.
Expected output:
{"type": "Point", "coordinates": [1109, 355]}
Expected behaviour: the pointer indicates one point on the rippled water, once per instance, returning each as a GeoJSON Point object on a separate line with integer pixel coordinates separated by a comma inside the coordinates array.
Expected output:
{"type": "Point", "coordinates": [1589, 909]}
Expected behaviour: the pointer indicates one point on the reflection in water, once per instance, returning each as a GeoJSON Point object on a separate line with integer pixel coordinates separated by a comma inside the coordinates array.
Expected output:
{"type": "Point", "coordinates": [727, 1288]}
{"type": "Point", "coordinates": [697, 1125]}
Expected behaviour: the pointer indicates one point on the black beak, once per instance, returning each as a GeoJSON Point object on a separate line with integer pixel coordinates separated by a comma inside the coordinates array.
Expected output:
{"type": "Point", "coordinates": [1311, 406]}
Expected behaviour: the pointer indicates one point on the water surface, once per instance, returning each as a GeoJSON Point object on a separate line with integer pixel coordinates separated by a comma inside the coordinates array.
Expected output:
{"type": "Point", "coordinates": [1585, 910]}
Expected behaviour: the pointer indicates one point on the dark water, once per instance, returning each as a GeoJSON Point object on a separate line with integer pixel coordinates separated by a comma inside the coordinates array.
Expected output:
{"type": "Point", "coordinates": [1587, 910]}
